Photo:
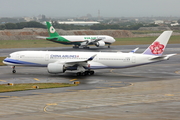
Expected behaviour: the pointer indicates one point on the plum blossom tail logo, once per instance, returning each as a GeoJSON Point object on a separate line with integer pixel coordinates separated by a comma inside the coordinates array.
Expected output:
{"type": "Point", "coordinates": [157, 48]}
{"type": "Point", "coordinates": [52, 30]}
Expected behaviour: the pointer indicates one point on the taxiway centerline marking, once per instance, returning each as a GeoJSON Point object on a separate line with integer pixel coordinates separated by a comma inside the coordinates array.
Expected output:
{"type": "Point", "coordinates": [36, 79]}
{"type": "Point", "coordinates": [177, 72]}
{"type": "Point", "coordinates": [3, 80]}
{"type": "Point", "coordinates": [73, 79]}
{"type": "Point", "coordinates": [48, 105]}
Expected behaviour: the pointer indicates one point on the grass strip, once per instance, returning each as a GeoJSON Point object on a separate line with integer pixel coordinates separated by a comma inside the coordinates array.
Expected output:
{"type": "Point", "coordinates": [31, 86]}
{"type": "Point", "coordinates": [143, 40]}
{"type": "Point", "coordinates": [1, 59]}
{"type": "Point", "coordinates": [45, 43]}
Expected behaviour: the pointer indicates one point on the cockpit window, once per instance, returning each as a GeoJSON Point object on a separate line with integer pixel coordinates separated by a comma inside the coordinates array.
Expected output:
{"type": "Point", "coordinates": [9, 56]}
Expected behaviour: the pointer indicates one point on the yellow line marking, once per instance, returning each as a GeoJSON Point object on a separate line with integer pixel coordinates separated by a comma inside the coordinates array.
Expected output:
{"type": "Point", "coordinates": [3, 81]}
{"type": "Point", "coordinates": [73, 79]}
{"type": "Point", "coordinates": [103, 87]}
{"type": "Point", "coordinates": [65, 114]}
{"type": "Point", "coordinates": [48, 104]}
{"type": "Point", "coordinates": [45, 109]}
{"type": "Point", "coordinates": [51, 104]}
{"type": "Point", "coordinates": [5, 96]}
{"type": "Point", "coordinates": [169, 94]}
{"type": "Point", "coordinates": [36, 79]}
{"type": "Point", "coordinates": [177, 72]}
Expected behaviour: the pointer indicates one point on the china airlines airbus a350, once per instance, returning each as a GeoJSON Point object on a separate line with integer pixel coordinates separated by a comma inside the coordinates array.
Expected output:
{"type": "Point", "coordinates": [83, 63]}
{"type": "Point", "coordinates": [78, 40]}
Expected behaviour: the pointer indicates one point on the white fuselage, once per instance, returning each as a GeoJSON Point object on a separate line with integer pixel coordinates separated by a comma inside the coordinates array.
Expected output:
{"type": "Point", "coordinates": [82, 38]}
{"type": "Point", "coordinates": [102, 60]}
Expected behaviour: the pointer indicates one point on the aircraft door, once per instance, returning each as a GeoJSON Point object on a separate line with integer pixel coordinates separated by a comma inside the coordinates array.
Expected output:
{"type": "Point", "coordinates": [46, 57]}
{"type": "Point", "coordinates": [133, 59]}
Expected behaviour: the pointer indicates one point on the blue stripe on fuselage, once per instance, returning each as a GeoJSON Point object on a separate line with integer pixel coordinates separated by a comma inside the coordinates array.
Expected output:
{"type": "Point", "coordinates": [18, 62]}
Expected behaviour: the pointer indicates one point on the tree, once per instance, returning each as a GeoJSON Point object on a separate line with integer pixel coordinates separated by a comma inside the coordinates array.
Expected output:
{"type": "Point", "coordinates": [11, 26]}
{"type": "Point", "coordinates": [2, 27]}
{"type": "Point", "coordinates": [21, 25]}
{"type": "Point", "coordinates": [35, 24]}
{"type": "Point", "coordinates": [178, 21]}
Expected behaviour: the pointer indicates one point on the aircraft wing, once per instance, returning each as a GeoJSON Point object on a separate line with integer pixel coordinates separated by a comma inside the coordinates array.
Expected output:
{"type": "Point", "coordinates": [92, 41]}
{"type": "Point", "coordinates": [77, 61]}
{"type": "Point", "coordinates": [96, 40]}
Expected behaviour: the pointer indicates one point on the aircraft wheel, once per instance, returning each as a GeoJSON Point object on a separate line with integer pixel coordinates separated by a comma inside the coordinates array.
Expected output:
{"type": "Point", "coordinates": [78, 74]}
{"type": "Point", "coordinates": [86, 73]}
{"type": "Point", "coordinates": [86, 47]}
{"type": "Point", "coordinates": [14, 71]}
{"type": "Point", "coordinates": [83, 73]}
{"type": "Point", "coordinates": [76, 46]}
{"type": "Point", "coordinates": [91, 72]}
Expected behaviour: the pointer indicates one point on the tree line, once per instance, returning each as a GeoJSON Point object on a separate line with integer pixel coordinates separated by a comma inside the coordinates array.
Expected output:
{"type": "Point", "coordinates": [103, 26]}
{"type": "Point", "coordinates": [21, 25]}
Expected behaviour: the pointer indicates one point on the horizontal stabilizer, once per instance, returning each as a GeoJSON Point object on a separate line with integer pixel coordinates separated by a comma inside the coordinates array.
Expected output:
{"type": "Point", "coordinates": [41, 37]}
{"type": "Point", "coordinates": [164, 57]}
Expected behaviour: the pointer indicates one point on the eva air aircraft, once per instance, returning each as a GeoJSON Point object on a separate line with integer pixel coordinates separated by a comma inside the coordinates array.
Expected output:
{"type": "Point", "coordinates": [78, 40]}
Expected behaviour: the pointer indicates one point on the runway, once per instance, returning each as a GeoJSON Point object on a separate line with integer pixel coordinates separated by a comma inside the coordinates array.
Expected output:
{"type": "Point", "coordinates": [146, 92]}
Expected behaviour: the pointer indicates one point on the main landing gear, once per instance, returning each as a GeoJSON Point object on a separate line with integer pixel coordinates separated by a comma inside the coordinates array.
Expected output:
{"type": "Point", "coordinates": [109, 45]}
{"type": "Point", "coordinates": [86, 47]}
{"type": "Point", "coordinates": [76, 46]}
{"type": "Point", "coordinates": [13, 71]}
{"type": "Point", "coordinates": [85, 73]}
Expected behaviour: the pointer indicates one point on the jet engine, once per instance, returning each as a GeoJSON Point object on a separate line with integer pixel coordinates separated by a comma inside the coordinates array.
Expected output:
{"type": "Point", "coordinates": [100, 44]}
{"type": "Point", "coordinates": [55, 68]}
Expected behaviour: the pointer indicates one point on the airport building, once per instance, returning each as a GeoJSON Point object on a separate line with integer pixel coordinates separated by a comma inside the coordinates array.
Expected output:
{"type": "Point", "coordinates": [79, 22]}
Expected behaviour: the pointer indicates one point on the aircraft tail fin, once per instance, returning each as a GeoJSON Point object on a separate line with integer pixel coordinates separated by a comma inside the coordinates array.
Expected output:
{"type": "Point", "coordinates": [158, 46]}
{"type": "Point", "coordinates": [51, 30]}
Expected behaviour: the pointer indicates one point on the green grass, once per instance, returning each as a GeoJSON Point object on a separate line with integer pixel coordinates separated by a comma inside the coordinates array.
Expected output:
{"type": "Point", "coordinates": [144, 31]}
{"type": "Point", "coordinates": [143, 40]}
{"type": "Point", "coordinates": [29, 86]}
{"type": "Point", "coordinates": [1, 59]}
{"type": "Point", "coordinates": [27, 44]}
{"type": "Point", "coordinates": [45, 43]}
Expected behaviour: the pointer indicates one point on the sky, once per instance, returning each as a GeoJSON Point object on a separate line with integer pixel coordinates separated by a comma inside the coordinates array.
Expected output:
{"type": "Point", "coordinates": [78, 8]}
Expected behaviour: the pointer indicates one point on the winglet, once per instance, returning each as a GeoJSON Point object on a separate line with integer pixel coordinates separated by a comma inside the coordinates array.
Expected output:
{"type": "Point", "coordinates": [158, 46]}
{"type": "Point", "coordinates": [133, 51]}
{"type": "Point", "coordinates": [51, 30]}
{"type": "Point", "coordinates": [92, 57]}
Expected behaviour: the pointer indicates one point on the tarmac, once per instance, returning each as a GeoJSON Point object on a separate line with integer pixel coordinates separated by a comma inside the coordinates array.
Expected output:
{"type": "Point", "coordinates": [149, 92]}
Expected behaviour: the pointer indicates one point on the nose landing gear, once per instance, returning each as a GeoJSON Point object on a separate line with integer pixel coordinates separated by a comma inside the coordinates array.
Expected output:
{"type": "Point", "coordinates": [13, 71]}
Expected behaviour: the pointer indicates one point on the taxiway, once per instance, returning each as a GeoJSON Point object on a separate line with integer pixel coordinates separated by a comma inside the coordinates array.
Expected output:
{"type": "Point", "coordinates": [145, 92]}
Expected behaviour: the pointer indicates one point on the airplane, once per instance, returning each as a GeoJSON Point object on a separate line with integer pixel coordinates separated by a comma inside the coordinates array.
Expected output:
{"type": "Point", "coordinates": [84, 63]}
{"type": "Point", "coordinates": [78, 40]}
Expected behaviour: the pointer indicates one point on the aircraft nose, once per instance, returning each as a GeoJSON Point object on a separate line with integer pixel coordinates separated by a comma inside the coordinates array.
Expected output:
{"type": "Point", "coordinates": [113, 40]}
{"type": "Point", "coordinates": [4, 61]}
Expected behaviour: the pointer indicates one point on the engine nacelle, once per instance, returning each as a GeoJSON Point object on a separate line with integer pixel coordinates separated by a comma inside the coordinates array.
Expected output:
{"type": "Point", "coordinates": [100, 43]}
{"type": "Point", "coordinates": [55, 68]}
